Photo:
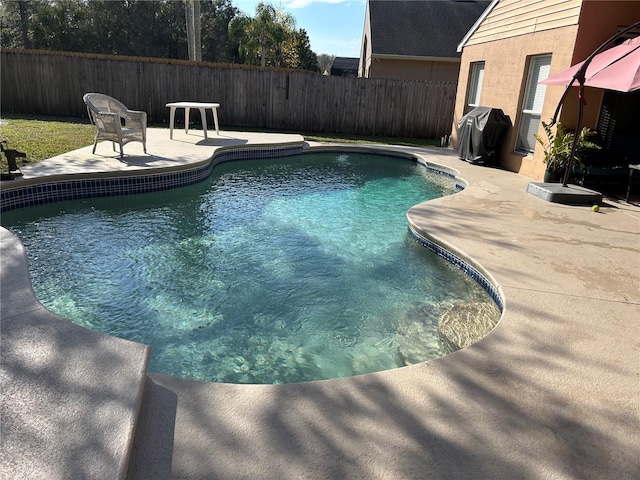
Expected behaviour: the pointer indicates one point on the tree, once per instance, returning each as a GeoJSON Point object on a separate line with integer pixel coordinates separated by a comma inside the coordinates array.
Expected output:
{"type": "Point", "coordinates": [298, 53]}
{"type": "Point", "coordinates": [23, 23]}
{"type": "Point", "coordinates": [271, 39]}
{"type": "Point", "coordinates": [14, 24]}
{"type": "Point", "coordinates": [192, 14]}
{"type": "Point", "coordinates": [325, 61]}
{"type": "Point", "coordinates": [217, 46]}
{"type": "Point", "coordinates": [256, 36]}
{"type": "Point", "coordinates": [125, 27]}
{"type": "Point", "coordinates": [61, 25]}
{"type": "Point", "coordinates": [119, 27]}
{"type": "Point", "coordinates": [239, 32]}
{"type": "Point", "coordinates": [282, 31]}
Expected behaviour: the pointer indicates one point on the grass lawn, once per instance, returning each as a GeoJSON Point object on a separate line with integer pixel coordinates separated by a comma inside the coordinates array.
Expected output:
{"type": "Point", "coordinates": [42, 137]}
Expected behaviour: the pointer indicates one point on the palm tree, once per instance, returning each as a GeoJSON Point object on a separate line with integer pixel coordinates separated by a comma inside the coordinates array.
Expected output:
{"type": "Point", "coordinates": [264, 33]}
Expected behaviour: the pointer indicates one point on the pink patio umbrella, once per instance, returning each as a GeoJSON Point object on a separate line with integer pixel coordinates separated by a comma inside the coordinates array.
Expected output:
{"type": "Point", "coordinates": [617, 68]}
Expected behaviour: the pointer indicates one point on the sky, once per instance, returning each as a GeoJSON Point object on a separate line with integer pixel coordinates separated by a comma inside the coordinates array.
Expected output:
{"type": "Point", "coordinates": [334, 27]}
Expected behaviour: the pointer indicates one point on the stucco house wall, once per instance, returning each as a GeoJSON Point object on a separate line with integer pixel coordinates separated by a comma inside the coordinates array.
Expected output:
{"type": "Point", "coordinates": [418, 69]}
{"type": "Point", "coordinates": [506, 65]}
{"type": "Point", "coordinates": [515, 30]}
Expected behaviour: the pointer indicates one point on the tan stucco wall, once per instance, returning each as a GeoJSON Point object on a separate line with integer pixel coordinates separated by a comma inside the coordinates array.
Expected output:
{"type": "Point", "coordinates": [505, 76]}
{"type": "Point", "coordinates": [428, 70]}
{"type": "Point", "coordinates": [600, 20]}
{"type": "Point", "coordinates": [506, 62]}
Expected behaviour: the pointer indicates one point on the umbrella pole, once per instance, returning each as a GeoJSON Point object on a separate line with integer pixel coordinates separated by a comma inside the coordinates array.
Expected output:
{"type": "Point", "coordinates": [567, 172]}
{"type": "Point", "coordinates": [580, 77]}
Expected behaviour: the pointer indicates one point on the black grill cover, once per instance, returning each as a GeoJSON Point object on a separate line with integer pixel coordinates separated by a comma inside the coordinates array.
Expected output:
{"type": "Point", "coordinates": [479, 135]}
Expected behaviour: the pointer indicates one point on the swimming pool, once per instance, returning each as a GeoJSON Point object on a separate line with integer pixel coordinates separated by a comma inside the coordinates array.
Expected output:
{"type": "Point", "coordinates": [270, 271]}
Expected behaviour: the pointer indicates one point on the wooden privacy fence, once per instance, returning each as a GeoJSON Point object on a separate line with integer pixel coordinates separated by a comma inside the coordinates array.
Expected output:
{"type": "Point", "coordinates": [53, 83]}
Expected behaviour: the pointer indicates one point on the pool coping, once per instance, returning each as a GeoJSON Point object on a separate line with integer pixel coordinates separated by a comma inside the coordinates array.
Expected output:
{"type": "Point", "coordinates": [28, 192]}
{"type": "Point", "coordinates": [518, 404]}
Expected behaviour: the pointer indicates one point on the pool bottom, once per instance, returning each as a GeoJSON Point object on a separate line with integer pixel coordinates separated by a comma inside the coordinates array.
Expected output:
{"type": "Point", "coordinates": [256, 257]}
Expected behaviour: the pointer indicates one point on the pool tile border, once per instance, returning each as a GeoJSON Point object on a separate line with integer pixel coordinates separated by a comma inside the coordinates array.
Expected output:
{"type": "Point", "coordinates": [462, 264]}
{"type": "Point", "coordinates": [116, 185]}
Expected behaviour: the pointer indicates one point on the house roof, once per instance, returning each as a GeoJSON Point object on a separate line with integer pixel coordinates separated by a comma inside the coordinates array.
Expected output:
{"type": "Point", "coordinates": [421, 28]}
{"type": "Point", "coordinates": [345, 66]}
{"type": "Point", "coordinates": [345, 63]}
{"type": "Point", "coordinates": [475, 26]}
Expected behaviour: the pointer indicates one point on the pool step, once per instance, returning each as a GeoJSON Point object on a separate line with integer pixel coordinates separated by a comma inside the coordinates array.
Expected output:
{"type": "Point", "coordinates": [71, 397]}
{"type": "Point", "coordinates": [152, 450]}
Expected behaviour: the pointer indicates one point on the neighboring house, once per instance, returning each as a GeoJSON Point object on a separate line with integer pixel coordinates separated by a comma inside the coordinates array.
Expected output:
{"type": "Point", "coordinates": [345, 67]}
{"type": "Point", "coordinates": [415, 39]}
{"type": "Point", "coordinates": [516, 44]}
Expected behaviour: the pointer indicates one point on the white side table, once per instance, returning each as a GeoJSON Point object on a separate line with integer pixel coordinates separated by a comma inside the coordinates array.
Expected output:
{"type": "Point", "coordinates": [188, 106]}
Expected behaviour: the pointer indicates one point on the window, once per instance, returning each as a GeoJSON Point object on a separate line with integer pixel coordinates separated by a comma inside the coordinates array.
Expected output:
{"type": "Point", "coordinates": [475, 86]}
{"type": "Point", "coordinates": [532, 103]}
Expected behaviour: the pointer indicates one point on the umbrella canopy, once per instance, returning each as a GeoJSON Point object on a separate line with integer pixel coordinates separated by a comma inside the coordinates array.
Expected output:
{"type": "Point", "coordinates": [617, 68]}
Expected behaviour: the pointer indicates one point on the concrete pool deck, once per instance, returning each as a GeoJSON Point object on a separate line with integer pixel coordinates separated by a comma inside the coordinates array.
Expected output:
{"type": "Point", "coordinates": [553, 392]}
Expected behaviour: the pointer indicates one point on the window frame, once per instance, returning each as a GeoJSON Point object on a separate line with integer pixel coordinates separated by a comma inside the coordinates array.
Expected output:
{"type": "Point", "coordinates": [474, 89]}
{"type": "Point", "coordinates": [535, 74]}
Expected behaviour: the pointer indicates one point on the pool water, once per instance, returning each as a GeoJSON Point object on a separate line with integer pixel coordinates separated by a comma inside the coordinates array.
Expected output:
{"type": "Point", "coordinates": [270, 271]}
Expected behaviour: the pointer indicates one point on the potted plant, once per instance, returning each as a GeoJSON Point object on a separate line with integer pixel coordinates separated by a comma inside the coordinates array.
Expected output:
{"type": "Point", "coordinates": [557, 149]}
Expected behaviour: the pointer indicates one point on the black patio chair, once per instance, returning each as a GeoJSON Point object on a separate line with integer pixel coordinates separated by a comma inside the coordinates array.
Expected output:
{"type": "Point", "coordinates": [11, 155]}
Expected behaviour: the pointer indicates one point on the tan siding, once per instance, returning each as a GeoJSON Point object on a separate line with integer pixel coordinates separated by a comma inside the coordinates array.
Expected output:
{"type": "Point", "coordinates": [511, 18]}
{"type": "Point", "coordinates": [532, 9]}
